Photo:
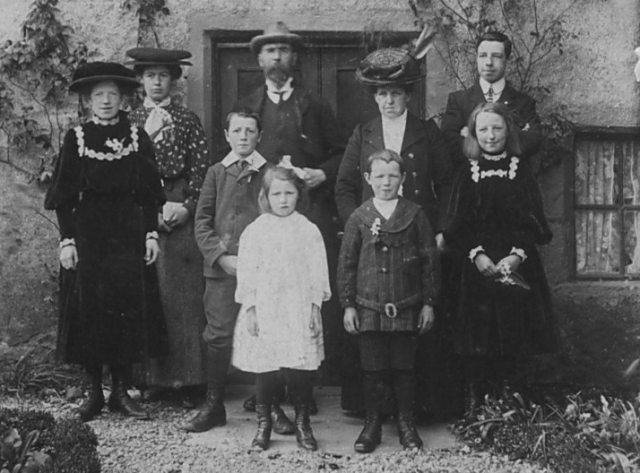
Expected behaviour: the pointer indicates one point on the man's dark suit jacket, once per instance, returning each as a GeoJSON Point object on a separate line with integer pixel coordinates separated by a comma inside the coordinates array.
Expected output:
{"type": "Point", "coordinates": [461, 104]}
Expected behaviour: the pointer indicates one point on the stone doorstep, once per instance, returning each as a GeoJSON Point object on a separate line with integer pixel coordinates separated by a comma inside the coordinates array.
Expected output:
{"type": "Point", "coordinates": [334, 431]}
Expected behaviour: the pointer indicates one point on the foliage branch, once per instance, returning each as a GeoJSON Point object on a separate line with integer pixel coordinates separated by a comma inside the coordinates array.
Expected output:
{"type": "Point", "coordinates": [35, 70]}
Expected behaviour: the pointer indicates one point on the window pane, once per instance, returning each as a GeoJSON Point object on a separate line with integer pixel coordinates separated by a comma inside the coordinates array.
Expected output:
{"type": "Point", "coordinates": [630, 151]}
{"type": "Point", "coordinates": [632, 243]}
{"type": "Point", "coordinates": [596, 181]}
{"type": "Point", "coordinates": [597, 242]}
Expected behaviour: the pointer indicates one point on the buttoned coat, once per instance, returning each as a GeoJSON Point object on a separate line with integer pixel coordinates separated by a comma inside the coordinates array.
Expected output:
{"type": "Point", "coordinates": [388, 261]}
{"type": "Point", "coordinates": [428, 168]}
{"type": "Point", "coordinates": [228, 203]}
{"type": "Point", "coordinates": [461, 103]}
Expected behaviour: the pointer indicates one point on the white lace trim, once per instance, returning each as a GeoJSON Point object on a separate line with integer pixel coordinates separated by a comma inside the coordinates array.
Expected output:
{"type": "Point", "coordinates": [116, 145]}
{"type": "Point", "coordinates": [475, 252]}
{"type": "Point", "coordinates": [494, 157]}
{"type": "Point", "coordinates": [476, 174]}
{"type": "Point", "coordinates": [67, 242]}
{"type": "Point", "coordinates": [518, 252]}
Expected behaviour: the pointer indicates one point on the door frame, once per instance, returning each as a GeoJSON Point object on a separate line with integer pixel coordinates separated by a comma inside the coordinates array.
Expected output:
{"type": "Point", "coordinates": [216, 38]}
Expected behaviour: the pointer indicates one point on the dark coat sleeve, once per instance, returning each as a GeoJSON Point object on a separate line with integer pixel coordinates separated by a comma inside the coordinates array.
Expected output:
{"type": "Point", "coordinates": [459, 230]}
{"type": "Point", "coordinates": [64, 192]}
{"type": "Point", "coordinates": [348, 190]}
{"type": "Point", "coordinates": [347, 279]}
{"type": "Point", "coordinates": [332, 143]}
{"type": "Point", "coordinates": [209, 241]}
{"type": "Point", "coordinates": [441, 170]}
{"type": "Point", "coordinates": [530, 127]}
{"type": "Point", "coordinates": [431, 279]}
{"type": "Point", "coordinates": [453, 121]}
{"type": "Point", "coordinates": [150, 195]}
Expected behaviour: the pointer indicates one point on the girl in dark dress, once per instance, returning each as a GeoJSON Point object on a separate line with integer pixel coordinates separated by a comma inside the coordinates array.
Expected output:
{"type": "Point", "coordinates": [106, 193]}
{"type": "Point", "coordinates": [496, 220]}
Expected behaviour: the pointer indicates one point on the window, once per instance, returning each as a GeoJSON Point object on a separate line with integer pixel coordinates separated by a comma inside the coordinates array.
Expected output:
{"type": "Point", "coordinates": [607, 203]}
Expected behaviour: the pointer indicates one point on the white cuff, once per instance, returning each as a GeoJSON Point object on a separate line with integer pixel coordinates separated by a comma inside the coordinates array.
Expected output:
{"type": "Point", "coordinates": [475, 252]}
{"type": "Point", "coordinates": [67, 242]}
{"type": "Point", "coordinates": [518, 252]}
{"type": "Point", "coordinates": [151, 235]}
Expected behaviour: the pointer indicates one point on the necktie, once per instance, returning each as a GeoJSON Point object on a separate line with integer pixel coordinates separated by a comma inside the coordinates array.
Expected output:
{"type": "Point", "coordinates": [490, 94]}
{"type": "Point", "coordinates": [280, 96]}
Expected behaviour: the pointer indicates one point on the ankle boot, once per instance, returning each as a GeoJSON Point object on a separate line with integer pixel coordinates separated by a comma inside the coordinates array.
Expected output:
{"type": "Point", "coordinates": [263, 434]}
{"type": "Point", "coordinates": [304, 434]}
{"type": "Point", "coordinates": [404, 390]}
{"type": "Point", "coordinates": [407, 432]}
{"type": "Point", "coordinates": [249, 403]}
{"type": "Point", "coordinates": [371, 434]}
{"type": "Point", "coordinates": [92, 406]}
{"type": "Point", "coordinates": [281, 423]}
{"type": "Point", "coordinates": [212, 413]}
{"type": "Point", "coordinates": [119, 400]}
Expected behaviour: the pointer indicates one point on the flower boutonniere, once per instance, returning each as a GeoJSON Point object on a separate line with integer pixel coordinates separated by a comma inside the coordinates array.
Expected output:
{"type": "Point", "coordinates": [116, 145]}
{"type": "Point", "coordinates": [375, 227]}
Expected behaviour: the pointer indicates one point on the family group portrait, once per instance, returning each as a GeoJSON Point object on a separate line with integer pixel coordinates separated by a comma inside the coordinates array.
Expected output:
{"type": "Point", "coordinates": [300, 236]}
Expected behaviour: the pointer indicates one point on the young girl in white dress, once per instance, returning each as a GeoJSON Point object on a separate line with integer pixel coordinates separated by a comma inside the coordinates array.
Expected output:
{"type": "Point", "coordinates": [282, 281]}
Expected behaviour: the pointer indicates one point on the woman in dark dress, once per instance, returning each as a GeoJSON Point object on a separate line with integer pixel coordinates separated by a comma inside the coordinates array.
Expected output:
{"type": "Point", "coordinates": [106, 193]}
{"type": "Point", "coordinates": [497, 219]}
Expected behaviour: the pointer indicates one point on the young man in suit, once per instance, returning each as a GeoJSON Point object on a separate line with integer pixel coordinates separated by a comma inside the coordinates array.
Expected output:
{"type": "Point", "coordinates": [492, 53]}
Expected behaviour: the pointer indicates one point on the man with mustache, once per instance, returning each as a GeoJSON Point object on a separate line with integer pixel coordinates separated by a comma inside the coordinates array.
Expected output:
{"type": "Point", "coordinates": [301, 127]}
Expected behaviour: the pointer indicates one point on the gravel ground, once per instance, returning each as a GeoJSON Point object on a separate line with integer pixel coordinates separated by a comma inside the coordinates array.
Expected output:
{"type": "Point", "coordinates": [158, 446]}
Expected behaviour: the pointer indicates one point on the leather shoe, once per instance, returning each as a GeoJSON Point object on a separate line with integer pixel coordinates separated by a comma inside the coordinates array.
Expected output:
{"type": "Point", "coordinates": [120, 401]}
{"type": "Point", "coordinates": [370, 436]}
{"type": "Point", "coordinates": [281, 423]}
{"type": "Point", "coordinates": [92, 406]}
{"type": "Point", "coordinates": [209, 416]}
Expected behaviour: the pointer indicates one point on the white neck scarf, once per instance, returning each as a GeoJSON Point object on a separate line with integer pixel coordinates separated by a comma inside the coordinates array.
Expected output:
{"type": "Point", "coordinates": [158, 118]}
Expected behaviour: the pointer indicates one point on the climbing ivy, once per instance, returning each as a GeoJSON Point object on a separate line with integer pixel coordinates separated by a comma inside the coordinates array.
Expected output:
{"type": "Point", "coordinates": [148, 12]}
{"type": "Point", "coordinates": [35, 71]}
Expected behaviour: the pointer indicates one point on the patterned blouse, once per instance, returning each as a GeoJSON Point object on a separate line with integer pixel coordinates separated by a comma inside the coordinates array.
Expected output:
{"type": "Point", "coordinates": [186, 156]}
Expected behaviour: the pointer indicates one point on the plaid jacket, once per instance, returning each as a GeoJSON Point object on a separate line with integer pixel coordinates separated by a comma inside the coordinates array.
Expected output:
{"type": "Point", "coordinates": [396, 264]}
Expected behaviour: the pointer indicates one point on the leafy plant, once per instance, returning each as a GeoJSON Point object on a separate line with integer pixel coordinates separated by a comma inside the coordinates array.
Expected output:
{"type": "Point", "coordinates": [17, 455]}
{"type": "Point", "coordinates": [36, 70]}
{"type": "Point", "coordinates": [148, 11]}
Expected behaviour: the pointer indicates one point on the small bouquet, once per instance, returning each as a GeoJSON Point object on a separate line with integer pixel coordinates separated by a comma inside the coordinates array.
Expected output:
{"type": "Point", "coordinates": [375, 227]}
{"type": "Point", "coordinates": [510, 278]}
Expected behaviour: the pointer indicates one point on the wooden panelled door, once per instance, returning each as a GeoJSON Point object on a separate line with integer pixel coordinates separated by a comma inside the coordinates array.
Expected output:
{"type": "Point", "coordinates": [326, 67]}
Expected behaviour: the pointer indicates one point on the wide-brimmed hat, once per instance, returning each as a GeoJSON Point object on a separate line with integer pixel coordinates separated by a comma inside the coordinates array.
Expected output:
{"type": "Point", "coordinates": [276, 33]}
{"type": "Point", "coordinates": [142, 58]}
{"type": "Point", "coordinates": [94, 72]}
{"type": "Point", "coordinates": [389, 66]}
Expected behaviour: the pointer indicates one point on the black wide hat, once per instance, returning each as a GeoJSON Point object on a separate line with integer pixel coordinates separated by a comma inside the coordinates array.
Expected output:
{"type": "Point", "coordinates": [94, 72]}
{"type": "Point", "coordinates": [389, 66]}
{"type": "Point", "coordinates": [142, 58]}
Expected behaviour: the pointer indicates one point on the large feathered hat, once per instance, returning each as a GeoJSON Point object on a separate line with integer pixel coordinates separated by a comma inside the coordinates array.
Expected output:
{"type": "Point", "coordinates": [396, 66]}
{"type": "Point", "coordinates": [276, 33]}
{"type": "Point", "coordinates": [142, 58]}
{"type": "Point", "coordinates": [94, 72]}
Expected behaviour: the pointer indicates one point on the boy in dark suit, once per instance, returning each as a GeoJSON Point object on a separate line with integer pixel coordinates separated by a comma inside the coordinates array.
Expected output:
{"type": "Point", "coordinates": [388, 281]}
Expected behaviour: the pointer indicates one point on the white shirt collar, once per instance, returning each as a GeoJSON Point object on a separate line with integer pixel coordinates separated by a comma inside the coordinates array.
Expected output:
{"type": "Point", "coordinates": [255, 160]}
{"type": "Point", "coordinates": [385, 207]}
{"type": "Point", "coordinates": [393, 131]}
{"type": "Point", "coordinates": [498, 86]}
{"type": "Point", "coordinates": [274, 92]}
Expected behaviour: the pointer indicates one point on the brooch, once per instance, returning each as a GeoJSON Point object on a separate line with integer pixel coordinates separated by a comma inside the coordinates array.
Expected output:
{"type": "Point", "coordinates": [375, 227]}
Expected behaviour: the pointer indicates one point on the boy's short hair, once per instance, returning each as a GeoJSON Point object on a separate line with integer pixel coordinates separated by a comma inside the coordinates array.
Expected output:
{"type": "Point", "coordinates": [471, 147]}
{"type": "Point", "coordinates": [386, 155]}
{"type": "Point", "coordinates": [244, 112]}
{"type": "Point", "coordinates": [284, 174]}
{"type": "Point", "coordinates": [496, 36]}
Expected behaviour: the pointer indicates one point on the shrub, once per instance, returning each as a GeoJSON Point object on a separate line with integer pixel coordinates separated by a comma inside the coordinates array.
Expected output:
{"type": "Point", "coordinates": [70, 443]}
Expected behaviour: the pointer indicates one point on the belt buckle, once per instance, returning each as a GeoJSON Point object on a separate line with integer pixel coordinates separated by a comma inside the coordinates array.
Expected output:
{"type": "Point", "coordinates": [390, 310]}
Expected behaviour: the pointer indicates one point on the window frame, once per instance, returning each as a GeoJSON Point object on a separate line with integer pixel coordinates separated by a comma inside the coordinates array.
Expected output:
{"type": "Point", "coordinates": [615, 134]}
